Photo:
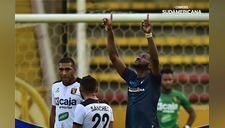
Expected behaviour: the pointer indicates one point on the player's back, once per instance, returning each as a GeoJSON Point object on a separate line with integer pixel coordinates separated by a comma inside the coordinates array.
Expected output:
{"type": "Point", "coordinates": [94, 114]}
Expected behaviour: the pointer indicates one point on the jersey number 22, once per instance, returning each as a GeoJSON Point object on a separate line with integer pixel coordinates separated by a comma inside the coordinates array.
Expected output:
{"type": "Point", "coordinates": [105, 118]}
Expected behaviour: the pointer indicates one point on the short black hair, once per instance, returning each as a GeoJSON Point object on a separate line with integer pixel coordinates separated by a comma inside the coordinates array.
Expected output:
{"type": "Point", "coordinates": [67, 60]}
{"type": "Point", "coordinates": [166, 71]}
{"type": "Point", "coordinates": [88, 84]}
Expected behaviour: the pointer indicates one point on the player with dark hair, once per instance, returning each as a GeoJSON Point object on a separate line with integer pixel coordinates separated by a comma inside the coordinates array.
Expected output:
{"type": "Point", "coordinates": [68, 60]}
{"type": "Point", "coordinates": [169, 103]}
{"type": "Point", "coordinates": [92, 113]}
{"type": "Point", "coordinates": [143, 85]}
{"type": "Point", "coordinates": [65, 95]}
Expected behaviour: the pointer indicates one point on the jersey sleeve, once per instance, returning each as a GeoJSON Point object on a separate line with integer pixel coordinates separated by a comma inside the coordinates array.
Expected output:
{"type": "Point", "coordinates": [112, 118]}
{"type": "Point", "coordinates": [128, 74]}
{"type": "Point", "coordinates": [53, 100]}
{"type": "Point", "coordinates": [79, 114]}
{"type": "Point", "coordinates": [155, 78]}
{"type": "Point", "coordinates": [185, 102]}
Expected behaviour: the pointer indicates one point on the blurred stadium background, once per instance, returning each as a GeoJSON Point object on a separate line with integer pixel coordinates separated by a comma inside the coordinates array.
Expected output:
{"type": "Point", "coordinates": [182, 46]}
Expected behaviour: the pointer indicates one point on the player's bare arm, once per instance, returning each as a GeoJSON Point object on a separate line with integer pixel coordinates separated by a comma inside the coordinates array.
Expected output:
{"type": "Point", "coordinates": [192, 115]}
{"type": "Point", "coordinates": [52, 117]}
{"type": "Point", "coordinates": [112, 50]}
{"type": "Point", "coordinates": [154, 61]}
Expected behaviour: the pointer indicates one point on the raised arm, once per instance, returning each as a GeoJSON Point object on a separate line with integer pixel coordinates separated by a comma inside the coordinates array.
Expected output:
{"type": "Point", "coordinates": [112, 50]}
{"type": "Point", "coordinates": [154, 60]}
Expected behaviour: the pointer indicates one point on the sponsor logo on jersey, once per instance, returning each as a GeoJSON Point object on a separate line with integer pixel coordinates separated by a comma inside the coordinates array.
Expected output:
{"type": "Point", "coordinates": [65, 101]}
{"type": "Point", "coordinates": [131, 82]}
{"type": "Point", "coordinates": [73, 90]}
{"type": "Point", "coordinates": [166, 118]}
{"type": "Point", "coordinates": [63, 116]}
{"type": "Point", "coordinates": [57, 100]}
{"type": "Point", "coordinates": [167, 108]}
{"type": "Point", "coordinates": [142, 82]}
{"type": "Point", "coordinates": [136, 89]}
{"type": "Point", "coordinates": [175, 99]}
{"type": "Point", "coordinates": [134, 86]}
{"type": "Point", "coordinates": [57, 90]}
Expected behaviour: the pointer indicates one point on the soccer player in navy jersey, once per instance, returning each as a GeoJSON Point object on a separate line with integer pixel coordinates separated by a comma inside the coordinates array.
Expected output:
{"type": "Point", "coordinates": [144, 85]}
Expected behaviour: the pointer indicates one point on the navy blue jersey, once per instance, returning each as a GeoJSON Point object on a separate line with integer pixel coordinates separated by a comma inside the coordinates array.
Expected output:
{"type": "Point", "coordinates": [143, 95]}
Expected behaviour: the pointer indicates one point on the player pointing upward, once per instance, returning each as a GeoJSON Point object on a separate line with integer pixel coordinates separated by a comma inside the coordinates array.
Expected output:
{"type": "Point", "coordinates": [144, 84]}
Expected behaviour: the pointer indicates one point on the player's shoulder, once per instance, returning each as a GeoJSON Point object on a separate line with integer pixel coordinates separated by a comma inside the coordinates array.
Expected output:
{"type": "Point", "coordinates": [78, 80]}
{"type": "Point", "coordinates": [92, 101]}
{"type": "Point", "coordinates": [56, 83]}
{"type": "Point", "coordinates": [177, 93]}
{"type": "Point", "coordinates": [76, 84]}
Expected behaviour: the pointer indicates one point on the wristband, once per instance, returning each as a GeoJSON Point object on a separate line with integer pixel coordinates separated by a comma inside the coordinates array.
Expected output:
{"type": "Point", "coordinates": [186, 126]}
{"type": "Point", "coordinates": [148, 35]}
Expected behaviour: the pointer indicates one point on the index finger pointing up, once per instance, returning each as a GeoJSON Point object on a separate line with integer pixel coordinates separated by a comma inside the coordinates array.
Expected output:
{"type": "Point", "coordinates": [111, 16]}
{"type": "Point", "coordinates": [148, 17]}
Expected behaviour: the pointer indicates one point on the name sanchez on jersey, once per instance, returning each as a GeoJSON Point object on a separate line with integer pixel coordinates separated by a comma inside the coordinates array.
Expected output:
{"type": "Point", "coordinates": [99, 108]}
